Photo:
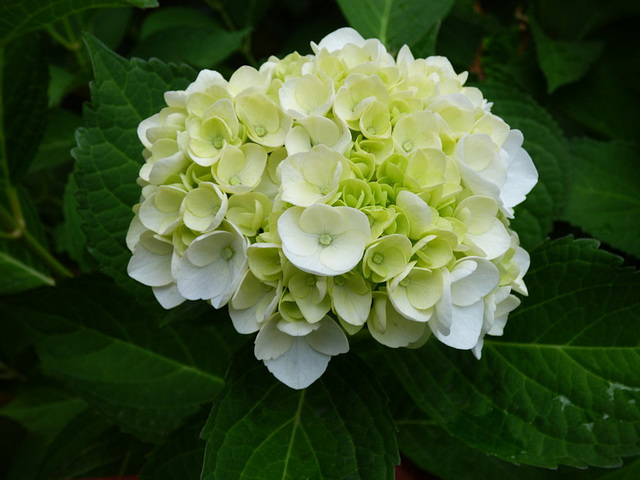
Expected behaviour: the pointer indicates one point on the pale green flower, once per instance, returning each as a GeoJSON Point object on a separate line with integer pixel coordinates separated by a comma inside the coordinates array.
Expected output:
{"type": "Point", "coordinates": [266, 122]}
{"type": "Point", "coordinates": [265, 261]}
{"type": "Point", "coordinates": [386, 257]}
{"type": "Point", "coordinates": [351, 298]}
{"type": "Point", "coordinates": [252, 303]}
{"type": "Point", "coordinates": [249, 212]}
{"type": "Point", "coordinates": [240, 170]}
{"type": "Point", "coordinates": [161, 212]}
{"type": "Point", "coordinates": [312, 177]}
{"type": "Point", "coordinates": [390, 328]}
{"type": "Point", "coordinates": [307, 95]}
{"type": "Point", "coordinates": [204, 207]}
{"type": "Point", "coordinates": [315, 130]}
{"type": "Point", "coordinates": [415, 292]}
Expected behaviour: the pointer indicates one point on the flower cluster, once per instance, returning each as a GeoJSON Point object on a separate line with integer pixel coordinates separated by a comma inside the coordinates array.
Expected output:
{"type": "Point", "coordinates": [324, 192]}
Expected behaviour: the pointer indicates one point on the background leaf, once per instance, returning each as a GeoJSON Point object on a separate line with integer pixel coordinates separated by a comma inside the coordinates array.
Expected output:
{"type": "Point", "coordinates": [604, 198]}
{"type": "Point", "coordinates": [106, 346]}
{"type": "Point", "coordinates": [181, 456]}
{"type": "Point", "coordinates": [21, 16]}
{"type": "Point", "coordinates": [109, 153]}
{"type": "Point", "coordinates": [394, 22]}
{"type": "Point", "coordinates": [184, 35]}
{"type": "Point", "coordinates": [340, 427]}
{"type": "Point", "coordinates": [561, 61]}
{"type": "Point", "coordinates": [25, 102]}
{"type": "Point", "coordinates": [561, 387]}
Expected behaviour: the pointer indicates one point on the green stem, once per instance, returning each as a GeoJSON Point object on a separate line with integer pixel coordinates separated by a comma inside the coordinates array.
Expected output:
{"type": "Point", "coordinates": [19, 232]}
{"type": "Point", "coordinates": [246, 46]}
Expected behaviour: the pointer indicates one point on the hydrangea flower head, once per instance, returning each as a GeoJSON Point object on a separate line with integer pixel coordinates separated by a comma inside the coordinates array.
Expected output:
{"type": "Point", "coordinates": [326, 192]}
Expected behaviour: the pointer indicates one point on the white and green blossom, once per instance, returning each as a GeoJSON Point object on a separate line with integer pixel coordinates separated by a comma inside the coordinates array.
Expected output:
{"type": "Point", "coordinates": [323, 193]}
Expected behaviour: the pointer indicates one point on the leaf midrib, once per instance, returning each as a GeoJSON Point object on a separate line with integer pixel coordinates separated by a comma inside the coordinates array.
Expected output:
{"type": "Point", "coordinates": [150, 353]}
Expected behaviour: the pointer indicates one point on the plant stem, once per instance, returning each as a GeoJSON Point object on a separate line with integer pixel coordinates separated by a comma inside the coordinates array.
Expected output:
{"type": "Point", "coordinates": [19, 232]}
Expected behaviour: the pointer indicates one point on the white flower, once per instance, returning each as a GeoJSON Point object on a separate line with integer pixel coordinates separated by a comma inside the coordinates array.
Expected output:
{"type": "Point", "coordinates": [458, 316]}
{"type": "Point", "coordinates": [299, 360]}
{"type": "Point", "coordinates": [323, 240]}
{"type": "Point", "coordinates": [213, 266]}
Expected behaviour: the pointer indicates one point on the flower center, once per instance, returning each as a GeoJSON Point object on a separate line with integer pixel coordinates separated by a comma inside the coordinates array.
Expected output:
{"type": "Point", "coordinates": [311, 280]}
{"type": "Point", "coordinates": [378, 258]}
{"type": "Point", "coordinates": [339, 281]}
{"type": "Point", "coordinates": [233, 181]}
{"type": "Point", "coordinates": [405, 282]}
{"type": "Point", "coordinates": [324, 190]}
{"type": "Point", "coordinates": [406, 146]}
{"type": "Point", "coordinates": [227, 253]}
{"type": "Point", "coordinates": [325, 239]}
{"type": "Point", "coordinates": [260, 131]}
{"type": "Point", "coordinates": [218, 142]}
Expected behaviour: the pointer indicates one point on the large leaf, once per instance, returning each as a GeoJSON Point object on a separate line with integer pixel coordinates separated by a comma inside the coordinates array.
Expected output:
{"type": "Point", "coordinates": [339, 428]}
{"type": "Point", "coordinates": [106, 346]}
{"type": "Point", "coordinates": [65, 439]}
{"type": "Point", "coordinates": [547, 146]}
{"type": "Point", "coordinates": [429, 446]}
{"type": "Point", "coordinates": [604, 198]}
{"type": "Point", "coordinates": [25, 102]}
{"type": "Point", "coordinates": [109, 153]}
{"type": "Point", "coordinates": [562, 386]}
{"type": "Point", "coordinates": [185, 35]}
{"type": "Point", "coordinates": [563, 62]}
{"type": "Point", "coordinates": [394, 22]}
{"type": "Point", "coordinates": [180, 457]}
{"type": "Point", "coordinates": [21, 16]}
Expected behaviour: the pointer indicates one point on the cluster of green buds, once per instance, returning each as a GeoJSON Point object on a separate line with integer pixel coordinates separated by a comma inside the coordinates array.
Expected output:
{"type": "Point", "coordinates": [326, 192]}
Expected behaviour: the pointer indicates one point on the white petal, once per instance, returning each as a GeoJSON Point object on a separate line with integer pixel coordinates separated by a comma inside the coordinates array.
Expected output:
{"type": "Point", "coordinates": [472, 288]}
{"type": "Point", "coordinates": [149, 268]}
{"type": "Point", "coordinates": [168, 296]}
{"type": "Point", "coordinates": [466, 326]}
{"type": "Point", "coordinates": [270, 342]}
{"type": "Point", "coordinates": [329, 338]}
{"type": "Point", "coordinates": [494, 242]}
{"type": "Point", "coordinates": [300, 366]}
{"type": "Point", "coordinates": [338, 39]}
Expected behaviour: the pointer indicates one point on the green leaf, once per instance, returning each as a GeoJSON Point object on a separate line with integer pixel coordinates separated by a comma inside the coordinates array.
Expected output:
{"type": "Point", "coordinates": [430, 447]}
{"type": "Point", "coordinates": [57, 142]}
{"type": "Point", "coordinates": [43, 411]}
{"type": "Point", "coordinates": [607, 99]}
{"type": "Point", "coordinates": [72, 239]}
{"type": "Point", "coordinates": [109, 154]}
{"type": "Point", "coordinates": [340, 427]}
{"type": "Point", "coordinates": [604, 198]}
{"type": "Point", "coordinates": [544, 141]}
{"type": "Point", "coordinates": [65, 439]}
{"type": "Point", "coordinates": [394, 22]}
{"type": "Point", "coordinates": [106, 346]}
{"type": "Point", "coordinates": [184, 35]}
{"type": "Point", "coordinates": [562, 385]}
{"type": "Point", "coordinates": [180, 457]}
{"type": "Point", "coordinates": [25, 103]}
{"type": "Point", "coordinates": [18, 17]}
{"type": "Point", "coordinates": [563, 62]}
{"type": "Point", "coordinates": [20, 270]}
{"type": "Point", "coordinates": [244, 13]}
